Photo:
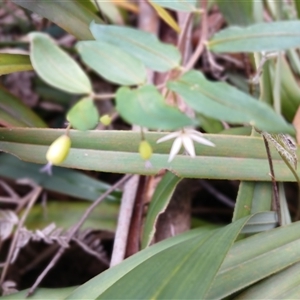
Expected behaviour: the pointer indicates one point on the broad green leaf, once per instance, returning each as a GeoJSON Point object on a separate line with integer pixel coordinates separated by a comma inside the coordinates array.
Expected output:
{"type": "Point", "coordinates": [233, 158]}
{"type": "Point", "coordinates": [92, 289]}
{"type": "Point", "coordinates": [164, 14]}
{"type": "Point", "coordinates": [142, 45]}
{"type": "Point", "coordinates": [83, 115]}
{"type": "Point", "coordinates": [73, 16]}
{"type": "Point", "coordinates": [279, 286]}
{"type": "Point", "coordinates": [42, 293]}
{"type": "Point", "coordinates": [10, 63]}
{"type": "Point", "coordinates": [63, 181]}
{"type": "Point", "coordinates": [180, 5]}
{"type": "Point", "coordinates": [66, 213]}
{"type": "Point", "coordinates": [146, 107]}
{"type": "Point", "coordinates": [14, 113]}
{"type": "Point", "coordinates": [112, 63]}
{"type": "Point", "coordinates": [221, 101]}
{"type": "Point", "coordinates": [256, 258]}
{"type": "Point", "coordinates": [200, 257]}
{"type": "Point", "coordinates": [273, 36]}
{"type": "Point", "coordinates": [56, 67]}
{"type": "Point", "coordinates": [158, 205]}
{"type": "Point", "coordinates": [229, 9]}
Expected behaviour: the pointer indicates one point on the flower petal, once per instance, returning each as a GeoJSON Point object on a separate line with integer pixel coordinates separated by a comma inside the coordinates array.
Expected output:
{"type": "Point", "coordinates": [201, 140]}
{"type": "Point", "coordinates": [175, 148]}
{"type": "Point", "coordinates": [188, 145]}
{"type": "Point", "coordinates": [168, 137]}
{"type": "Point", "coordinates": [47, 169]}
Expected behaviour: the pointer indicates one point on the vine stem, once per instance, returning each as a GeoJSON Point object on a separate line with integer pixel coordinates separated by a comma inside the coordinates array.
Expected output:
{"type": "Point", "coordinates": [201, 44]}
{"type": "Point", "coordinates": [276, 201]}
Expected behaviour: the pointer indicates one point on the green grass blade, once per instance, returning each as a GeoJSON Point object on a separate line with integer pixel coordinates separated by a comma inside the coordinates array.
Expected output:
{"type": "Point", "coordinates": [158, 204]}
{"type": "Point", "coordinates": [234, 157]}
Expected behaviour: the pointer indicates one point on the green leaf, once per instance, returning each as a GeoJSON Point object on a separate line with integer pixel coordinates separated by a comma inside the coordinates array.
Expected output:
{"type": "Point", "coordinates": [200, 258]}
{"type": "Point", "coordinates": [256, 258]}
{"type": "Point", "coordinates": [66, 213]}
{"type": "Point", "coordinates": [262, 197]}
{"type": "Point", "coordinates": [229, 9]}
{"type": "Point", "coordinates": [63, 181]}
{"type": "Point", "coordinates": [273, 36]}
{"type": "Point", "coordinates": [254, 197]}
{"type": "Point", "coordinates": [244, 200]}
{"type": "Point", "coordinates": [56, 67]}
{"type": "Point", "coordinates": [297, 6]}
{"type": "Point", "coordinates": [158, 205]}
{"type": "Point", "coordinates": [209, 125]}
{"type": "Point", "coordinates": [262, 221]}
{"type": "Point", "coordinates": [73, 16]}
{"type": "Point", "coordinates": [14, 113]}
{"type": "Point", "coordinates": [84, 115]}
{"type": "Point", "coordinates": [92, 289]}
{"type": "Point", "coordinates": [112, 12]}
{"type": "Point", "coordinates": [224, 102]}
{"type": "Point", "coordinates": [165, 16]}
{"type": "Point", "coordinates": [178, 5]}
{"type": "Point", "coordinates": [290, 90]}
{"type": "Point", "coordinates": [142, 45]}
{"type": "Point", "coordinates": [279, 286]}
{"type": "Point", "coordinates": [233, 158]}
{"type": "Point", "coordinates": [10, 63]}
{"type": "Point", "coordinates": [112, 63]}
{"type": "Point", "coordinates": [146, 107]}
{"type": "Point", "coordinates": [42, 293]}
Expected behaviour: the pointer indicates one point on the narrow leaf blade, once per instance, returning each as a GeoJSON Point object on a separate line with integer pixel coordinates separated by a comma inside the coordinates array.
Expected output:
{"type": "Point", "coordinates": [10, 63]}
{"type": "Point", "coordinates": [14, 113]}
{"type": "Point", "coordinates": [63, 181]}
{"type": "Point", "coordinates": [72, 16]}
{"type": "Point", "coordinates": [234, 157]}
{"type": "Point", "coordinates": [179, 5]}
{"type": "Point", "coordinates": [255, 258]}
{"type": "Point", "coordinates": [158, 204]}
{"type": "Point", "coordinates": [165, 16]}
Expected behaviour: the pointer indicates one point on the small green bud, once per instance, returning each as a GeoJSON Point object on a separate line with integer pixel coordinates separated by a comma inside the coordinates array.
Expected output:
{"type": "Point", "coordinates": [105, 120]}
{"type": "Point", "coordinates": [145, 150]}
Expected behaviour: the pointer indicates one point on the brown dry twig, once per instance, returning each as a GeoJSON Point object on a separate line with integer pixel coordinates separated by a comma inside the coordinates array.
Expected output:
{"type": "Point", "coordinates": [32, 196]}
{"type": "Point", "coordinates": [74, 230]}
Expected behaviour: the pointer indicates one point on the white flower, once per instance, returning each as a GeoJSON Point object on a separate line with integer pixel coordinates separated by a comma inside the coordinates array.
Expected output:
{"type": "Point", "coordinates": [185, 137]}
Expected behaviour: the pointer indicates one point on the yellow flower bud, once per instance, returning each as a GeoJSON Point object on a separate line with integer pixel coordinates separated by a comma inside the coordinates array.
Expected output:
{"type": "Point", "coordinates": [145, 150]}
{"type": "Point", "coordinates": [105, 120]}
{"type": "Point", "coordinates": [59, 150]}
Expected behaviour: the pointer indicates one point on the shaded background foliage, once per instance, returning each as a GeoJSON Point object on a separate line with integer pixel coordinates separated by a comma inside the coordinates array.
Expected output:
{"type": "Point", "coordinates": [225, 79]}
